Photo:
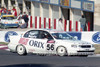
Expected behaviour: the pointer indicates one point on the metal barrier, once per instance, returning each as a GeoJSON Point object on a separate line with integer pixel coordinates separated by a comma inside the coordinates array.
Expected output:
{"type": "Point", "coordinates": [39, 22]}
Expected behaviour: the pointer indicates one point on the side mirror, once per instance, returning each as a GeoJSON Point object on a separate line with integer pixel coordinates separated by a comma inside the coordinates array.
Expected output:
{"type": "Point", "coordinates": [50, 41]}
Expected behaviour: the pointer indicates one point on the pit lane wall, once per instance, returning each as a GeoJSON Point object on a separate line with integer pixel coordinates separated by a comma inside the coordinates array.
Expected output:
{"type": "Point", "coordinates": [92, 37]}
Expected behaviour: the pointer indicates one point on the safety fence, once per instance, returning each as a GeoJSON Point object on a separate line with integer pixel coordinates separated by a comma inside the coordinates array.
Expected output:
{"type": "Point", "coordinates": [48, 23]}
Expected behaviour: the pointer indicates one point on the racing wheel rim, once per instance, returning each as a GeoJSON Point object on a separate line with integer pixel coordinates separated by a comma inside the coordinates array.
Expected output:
{"type": "Point", "coordinates": [61, 51]}
{"type": "Point", "coordinates": [21, 50]}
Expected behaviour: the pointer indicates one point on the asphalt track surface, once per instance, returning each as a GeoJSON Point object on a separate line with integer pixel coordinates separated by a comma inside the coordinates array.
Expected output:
{"type": "Point", "coordinates": [8, 59]}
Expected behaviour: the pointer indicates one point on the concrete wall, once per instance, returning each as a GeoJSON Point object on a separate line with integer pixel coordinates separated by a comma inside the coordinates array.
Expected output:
{"type": "Point", "coordinates": [37, 9]}
{"type": "Point", "coordinates": [76, 17]}
{"type": "Point", "coordinates": [97, 16]}
{"type": "Point", "coordinates": [65, 13]}
{"type": "Point", "coordinates": [45, 10]}
{"type": "Point", "coordinates": [55, 13]}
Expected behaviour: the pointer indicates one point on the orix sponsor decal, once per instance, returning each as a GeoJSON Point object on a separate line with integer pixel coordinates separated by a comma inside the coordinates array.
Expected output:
{"type": "Point", "coordinates": [36, 44]}
{"type": "Point", "coordinates": [33, 43]}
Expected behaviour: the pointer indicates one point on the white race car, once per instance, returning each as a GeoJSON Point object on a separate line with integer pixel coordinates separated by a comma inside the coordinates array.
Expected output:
{"type": "Point", "coordinates": [7, 21]}
{"type": "Point", "coordinates": [44, 42]}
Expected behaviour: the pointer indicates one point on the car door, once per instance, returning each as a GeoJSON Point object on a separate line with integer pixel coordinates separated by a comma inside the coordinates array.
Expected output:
{"type": "Point", "coordinates": [49, 42]}
{"type": "Point", "coordinates": [35, 44]}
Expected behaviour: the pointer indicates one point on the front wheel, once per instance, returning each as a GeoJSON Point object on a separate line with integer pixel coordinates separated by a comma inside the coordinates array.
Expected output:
{"type": "Point", "coordinates": [61, 51]}
{"type": "Point", "coordinates": [21, 50]}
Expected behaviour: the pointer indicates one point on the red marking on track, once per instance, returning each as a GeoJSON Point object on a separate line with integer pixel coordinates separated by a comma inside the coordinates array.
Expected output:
{"type": "Point", "coordinates": [4, 48]}
{"type": "Point", "coordinates": [2, 45]}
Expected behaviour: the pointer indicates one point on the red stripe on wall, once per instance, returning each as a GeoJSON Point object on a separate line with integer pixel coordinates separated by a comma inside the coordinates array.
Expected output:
{"type": "Point", "coordinates": [76, 26]}
{"type": "Point", "coordinates": [70, 26]}
{"type": "Point", "coordinates": [54, 23]}
{"type": "Point", "coordinates": [35, 22]}
{"type": "Point", "coordinates": [31, 22]}
{"type": "Point", "coordinates": [88, 26]}
{"type": "Point", "coordinates": [39, 22]}
{"type": "Point", "coordinates": [44, 22]}
{"type": "Point", "coordinates": [65, 25]}
{"type": "Point", "coordinates": [49, 23]}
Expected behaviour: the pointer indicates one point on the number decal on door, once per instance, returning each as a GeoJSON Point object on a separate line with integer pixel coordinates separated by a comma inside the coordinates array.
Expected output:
{"type": "Point", "coordinates": [50, 46]}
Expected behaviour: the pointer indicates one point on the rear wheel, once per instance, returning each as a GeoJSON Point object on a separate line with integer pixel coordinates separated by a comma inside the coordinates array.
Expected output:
{"type": "Point", "coordinates": [21, 50]}
{"type": "Point", "coordinates": [61, 51]}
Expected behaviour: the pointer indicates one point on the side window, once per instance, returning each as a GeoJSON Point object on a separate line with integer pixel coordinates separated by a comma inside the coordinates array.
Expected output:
{"type": "Point", "coordinates": [44, 34]}
{"type": "Point", "coordinates": [31, 34]}
{"type": "Point", "coordinates": [55, 35]}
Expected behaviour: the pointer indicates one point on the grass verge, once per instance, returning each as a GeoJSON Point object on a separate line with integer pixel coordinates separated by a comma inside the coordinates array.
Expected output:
{"type": "Point", "coordinates": [97, 47]}
{"type": "Point", "coordinates": [4, 43]}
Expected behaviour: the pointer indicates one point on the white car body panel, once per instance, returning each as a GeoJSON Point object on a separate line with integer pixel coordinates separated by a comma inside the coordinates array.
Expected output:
{"type": "Point", "coordinates": [39, 46]}
{"type": "Point", "coordinates": [9, 21]}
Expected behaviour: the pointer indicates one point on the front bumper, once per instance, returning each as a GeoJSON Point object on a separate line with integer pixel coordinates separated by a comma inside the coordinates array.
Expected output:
{"type": "Point", "coordinates": [10, 25]}
{"type": "Point", "coordinates": [81, 51]}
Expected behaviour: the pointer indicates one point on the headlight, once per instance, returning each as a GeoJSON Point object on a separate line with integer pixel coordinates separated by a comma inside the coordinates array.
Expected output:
{"type": "Point", "coordinates": [75, 46]}
{"type": "Point", "coordinates": [6, 22]}
{"type": "Point", "coordinates": [16, 22]}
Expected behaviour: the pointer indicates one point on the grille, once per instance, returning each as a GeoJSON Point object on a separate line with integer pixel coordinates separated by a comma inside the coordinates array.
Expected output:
{"type": "Point", "coordinates": [85, 46]}
{"type": "Point", "coordinates": [85, 51]}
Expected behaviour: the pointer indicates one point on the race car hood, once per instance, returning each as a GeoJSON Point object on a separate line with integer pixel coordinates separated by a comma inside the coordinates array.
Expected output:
{"type": "Point", "coordinates": [73, 42]}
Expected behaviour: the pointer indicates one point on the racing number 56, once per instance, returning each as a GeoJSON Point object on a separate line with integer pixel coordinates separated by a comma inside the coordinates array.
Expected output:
{"type": "Point", "coordinates": [50, 46]}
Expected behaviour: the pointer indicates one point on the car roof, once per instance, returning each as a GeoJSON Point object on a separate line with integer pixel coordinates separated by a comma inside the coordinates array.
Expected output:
{"type": "Point", "coordinates": [49, 30]}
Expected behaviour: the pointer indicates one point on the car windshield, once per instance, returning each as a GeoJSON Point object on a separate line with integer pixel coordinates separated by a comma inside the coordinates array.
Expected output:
{"type": "Point", "coordinates": [8, 18]}
{"type": "Point", "coordinates": [63, 36]}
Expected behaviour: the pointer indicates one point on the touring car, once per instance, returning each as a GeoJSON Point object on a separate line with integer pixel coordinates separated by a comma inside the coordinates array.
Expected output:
{"type": "Point", "coordinates": [8, 21]}
{"type": "Point", "coordinates": [44, 42]}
